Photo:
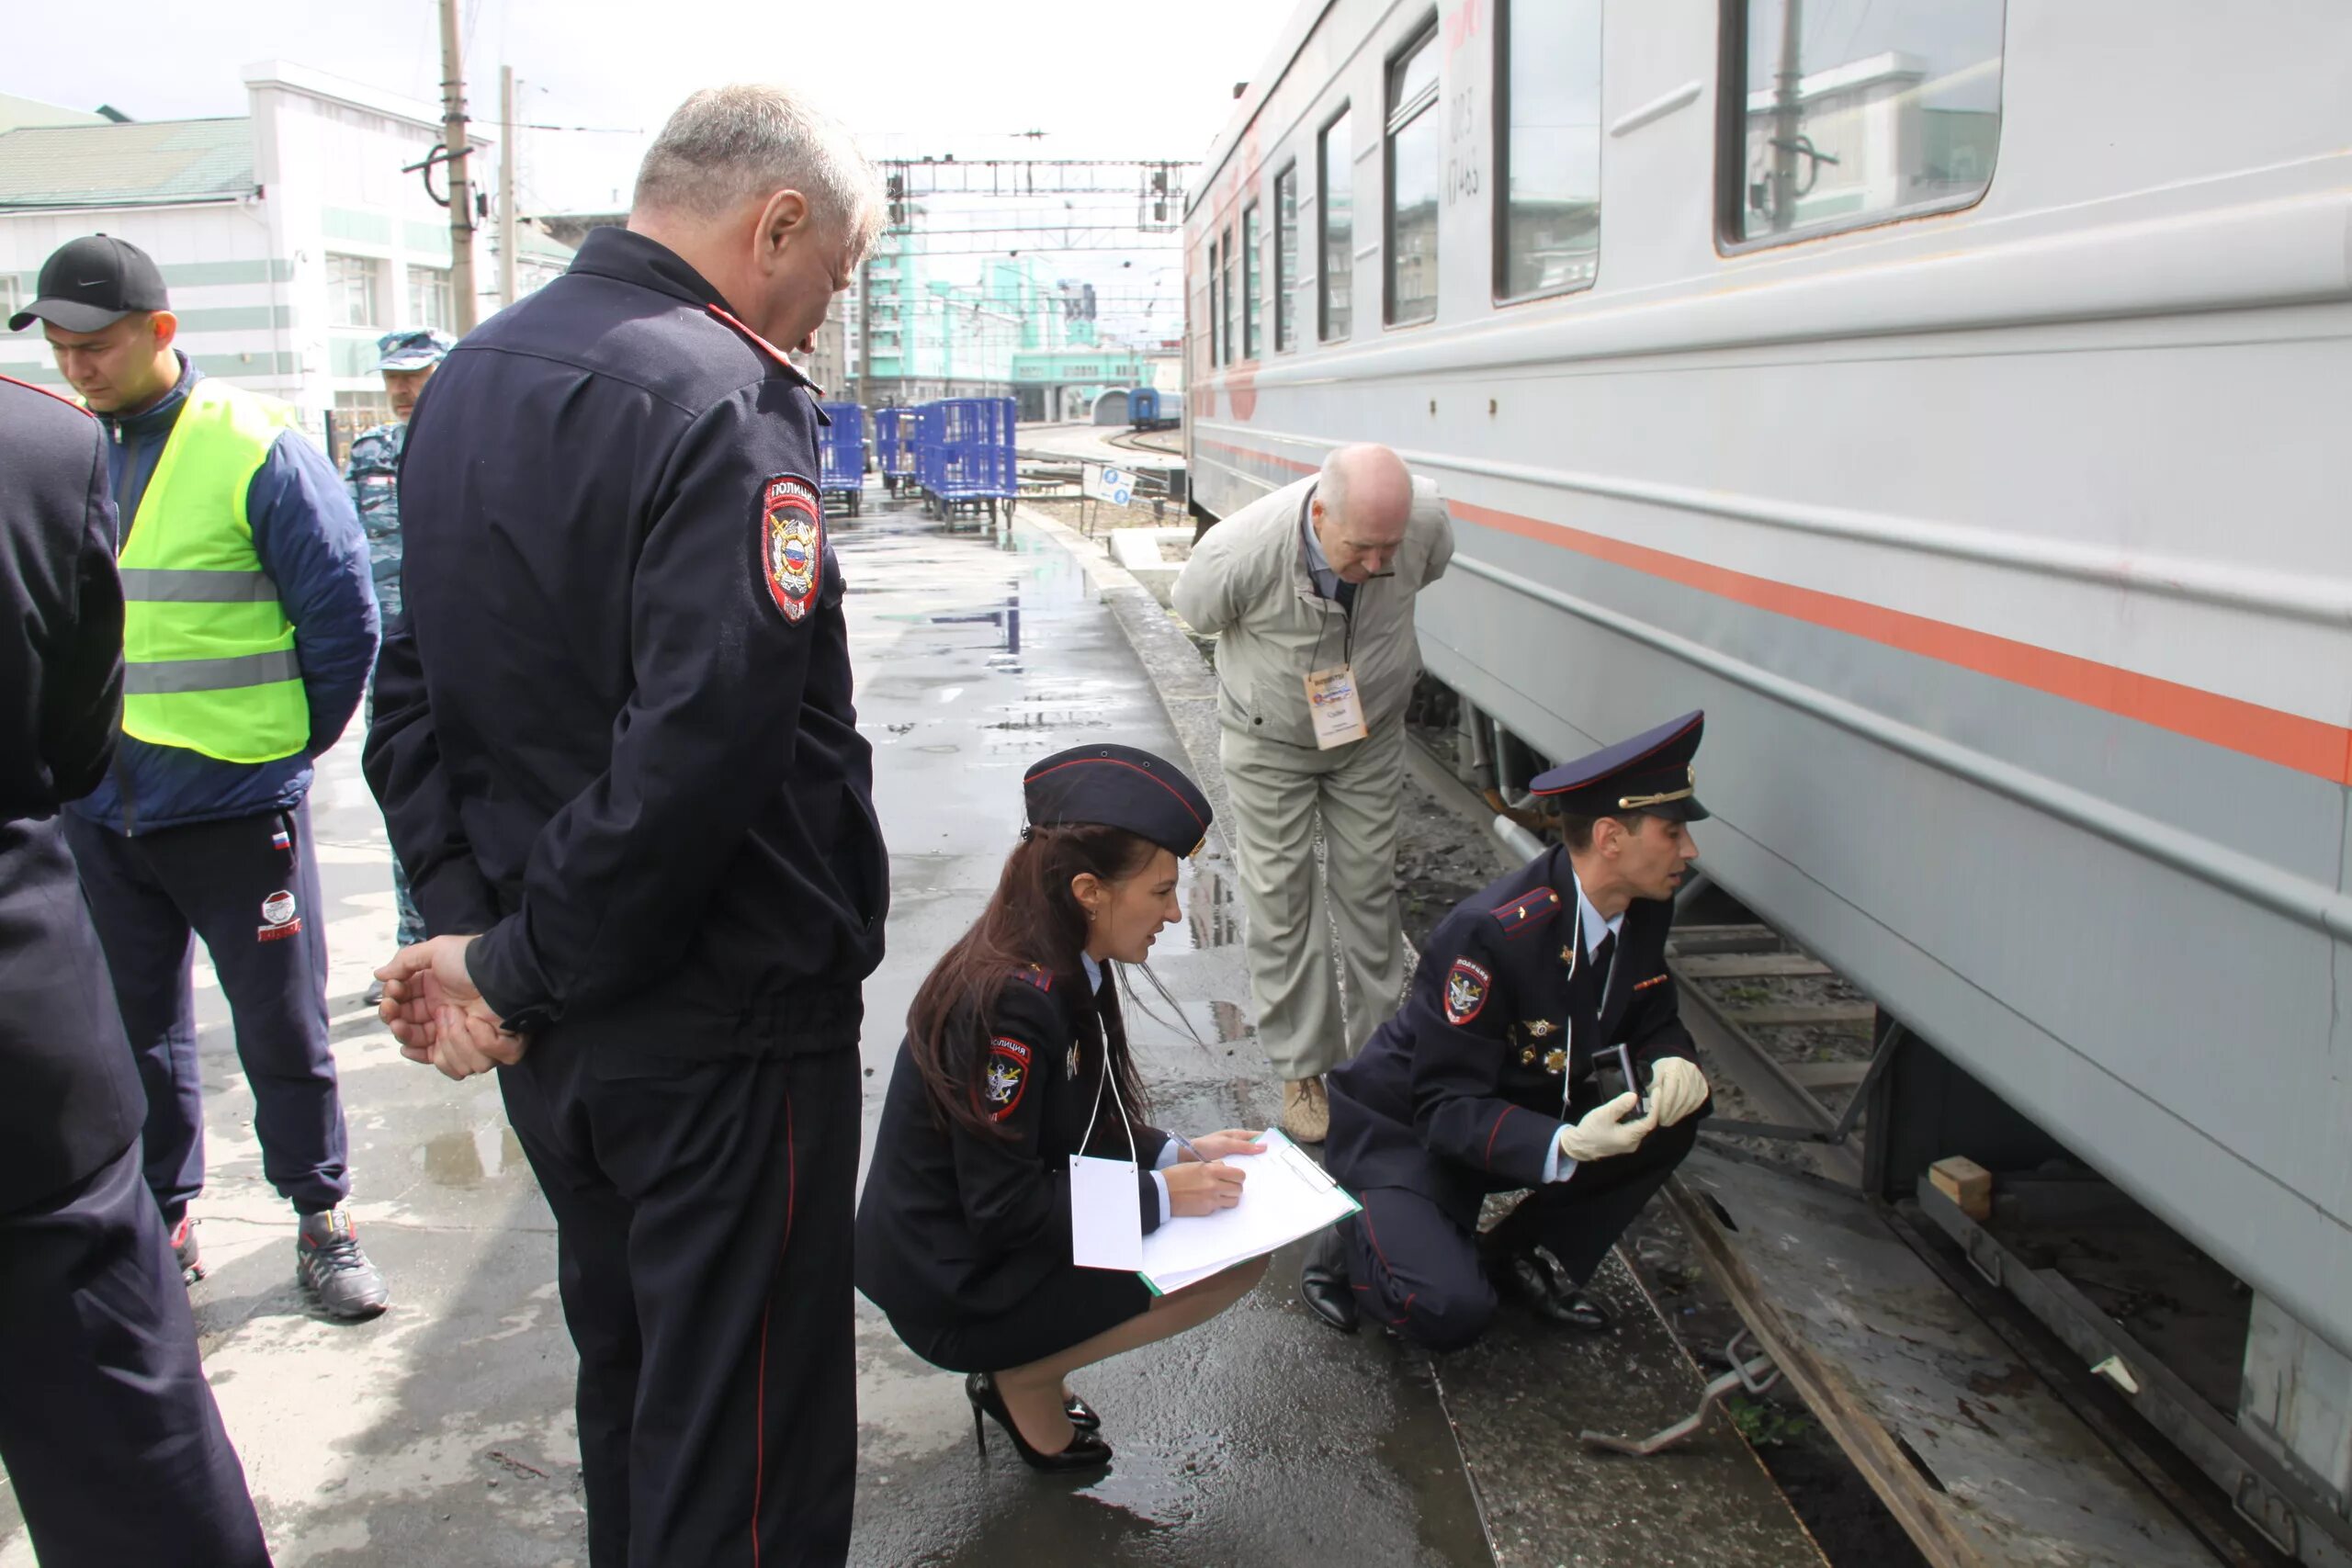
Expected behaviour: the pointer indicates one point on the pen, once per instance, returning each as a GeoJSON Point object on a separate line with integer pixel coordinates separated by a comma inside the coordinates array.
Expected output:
{"type": "Point", "coordinates": [1185, 1143]}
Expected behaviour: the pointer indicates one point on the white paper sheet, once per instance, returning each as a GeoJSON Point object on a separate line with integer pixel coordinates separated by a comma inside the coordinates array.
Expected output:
{"type": "Point", "coordinates": [1105, 1224]}
{"type": "Point", "coordinates": [1286, 1196]}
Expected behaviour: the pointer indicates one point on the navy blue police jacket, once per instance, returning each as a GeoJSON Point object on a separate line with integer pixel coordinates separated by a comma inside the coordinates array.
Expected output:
{"type": "Point", "coordinates": [70, 1098]}
{"type": "Point", "coordinates": [614, 732]}
{"type": "Point", "coordinates": [1461, 1092]}
{"type": "Point", "coordinates": [957, 1226]}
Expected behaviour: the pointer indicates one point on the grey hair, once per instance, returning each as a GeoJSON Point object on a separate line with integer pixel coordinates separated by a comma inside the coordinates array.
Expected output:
{"type": "Point", "coordinates": [726, 145]}
{"type": "Point", "coordinates": [1331, 488]}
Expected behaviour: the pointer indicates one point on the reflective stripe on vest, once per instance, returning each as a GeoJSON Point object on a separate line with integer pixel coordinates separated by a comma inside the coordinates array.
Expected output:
{"type": "Point", "coordinates": [208, 653]}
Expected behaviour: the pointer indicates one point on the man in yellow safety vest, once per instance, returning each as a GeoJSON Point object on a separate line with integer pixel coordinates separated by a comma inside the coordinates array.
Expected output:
{"type": "Point", "coordinates": [248, 631]}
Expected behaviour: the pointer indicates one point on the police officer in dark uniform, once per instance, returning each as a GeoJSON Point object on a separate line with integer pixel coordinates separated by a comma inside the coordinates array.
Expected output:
{"type": "Point", "coordinates": [1015, 1060]}
{"type": "Point", "coordinates": [1498, 1073]}
{"type": "Point", "coordinates": [615, 743]}
{"type": "Point", "coordinates": [106, 1427]}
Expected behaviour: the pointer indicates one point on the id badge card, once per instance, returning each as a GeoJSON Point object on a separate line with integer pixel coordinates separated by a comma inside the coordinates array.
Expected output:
{"type": "Point", "coordinates": [1105, 1216]}
{"type": "Point", "coordinates": [1332, 703]}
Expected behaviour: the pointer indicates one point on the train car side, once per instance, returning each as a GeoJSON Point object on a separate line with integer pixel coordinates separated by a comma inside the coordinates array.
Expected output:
{"type": "Point", "coordinates": [2002, 544]}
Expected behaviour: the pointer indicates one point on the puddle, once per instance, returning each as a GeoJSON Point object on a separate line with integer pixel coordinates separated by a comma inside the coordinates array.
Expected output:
{"type": "Point", "coordinates": [470, 1156]}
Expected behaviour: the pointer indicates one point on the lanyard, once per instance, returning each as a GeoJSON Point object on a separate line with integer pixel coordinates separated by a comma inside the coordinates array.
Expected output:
{"type": "Point", "coordinates": [1087, 1140]}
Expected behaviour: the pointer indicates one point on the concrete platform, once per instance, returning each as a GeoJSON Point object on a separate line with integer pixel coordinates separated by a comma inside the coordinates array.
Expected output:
{"type": "Point", "coordinates": [442, 1433]}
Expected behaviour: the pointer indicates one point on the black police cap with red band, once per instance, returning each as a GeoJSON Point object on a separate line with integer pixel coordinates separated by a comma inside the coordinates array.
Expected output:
{"type": "Point", "coordinates": [1118, 786]}
{"type": "Point", "coordinates": [1651, 772]}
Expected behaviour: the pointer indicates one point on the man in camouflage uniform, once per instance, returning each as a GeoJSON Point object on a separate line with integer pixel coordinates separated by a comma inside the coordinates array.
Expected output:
{"type": "Point", "coordinates": [406, 360]}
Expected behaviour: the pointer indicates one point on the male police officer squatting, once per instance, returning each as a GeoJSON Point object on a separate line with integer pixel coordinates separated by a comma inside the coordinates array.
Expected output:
{"type": "Point", "coordinates": [372, 471]}
{"type": "Point", "coordinates": [107, 1430]}
{"type": "Point", "coordinates": [1498, 1072]}
{"type": "Point", "coordinates": [615, 741]}
{"type": "Point", "coordinates": [248, 631]}
{"type": "Point", "coordinates": [1310, 593]}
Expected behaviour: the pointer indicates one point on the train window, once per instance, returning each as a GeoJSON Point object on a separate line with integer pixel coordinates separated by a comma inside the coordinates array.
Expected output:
{"type": "Point", "coordinates": [1548, 113]}
{"type": "Point", "coordinates": [1225, 276]}
{"type": "Point", "coordinates": [1855, 112]}
{"type": "Point", "coordinates": [1287, 260]}
{"type": "Point", "coordinates": [1335, 262]}
{"type": "Point", "coordinates": [1217, 302]}
{"type": "Point", "coordinates": [1252, 295]}
{"type": "Point", "coordinates": [1413, 162]}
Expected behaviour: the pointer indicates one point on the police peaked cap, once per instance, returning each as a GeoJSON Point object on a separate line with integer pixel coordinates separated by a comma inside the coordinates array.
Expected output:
{"type": "Point", "coordinates": [1118, 786]}
{"type": "Point", "coordinates": [1651, 772]}
{"type": "Point", "coordinates": [412, 349]}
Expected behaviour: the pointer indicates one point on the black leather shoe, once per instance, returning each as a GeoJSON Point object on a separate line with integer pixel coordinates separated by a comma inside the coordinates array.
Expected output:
{"type": "Point", "coordinates": [1081, 1415]}
{"type": "Point", "coordinates": [1087, 1450]}
{"type": "Point", "coordinates": [1324, 1285]}
{"type": "Point", "coordinates": [1537, 1278]}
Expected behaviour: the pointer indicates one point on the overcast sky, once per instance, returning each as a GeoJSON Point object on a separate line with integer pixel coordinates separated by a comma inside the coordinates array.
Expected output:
{"type": "Point", "coordinates": [912, 76]}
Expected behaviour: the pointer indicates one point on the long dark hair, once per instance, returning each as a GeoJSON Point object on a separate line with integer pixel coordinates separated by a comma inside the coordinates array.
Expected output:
{"type": "Point", "coordinates": [1032, 917]}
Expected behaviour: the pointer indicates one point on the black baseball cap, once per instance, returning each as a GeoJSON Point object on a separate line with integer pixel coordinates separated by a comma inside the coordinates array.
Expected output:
{"type": "Point", "coordinates": [93, 282]}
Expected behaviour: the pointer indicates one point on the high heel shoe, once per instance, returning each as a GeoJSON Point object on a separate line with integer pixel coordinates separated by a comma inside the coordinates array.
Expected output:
{"type": "Point", "coordinates": [1081, 1415]}
{"type": "Point", "coordinates": [1087, 1450]}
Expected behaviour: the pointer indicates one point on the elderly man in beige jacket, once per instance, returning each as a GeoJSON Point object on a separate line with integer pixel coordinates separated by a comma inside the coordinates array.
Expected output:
{"type": "Point", "coordinates": [1310, 593]}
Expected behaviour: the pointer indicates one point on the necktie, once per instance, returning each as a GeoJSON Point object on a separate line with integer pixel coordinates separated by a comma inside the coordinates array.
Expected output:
{"type": "Point", "coordinates": [1603, 954]}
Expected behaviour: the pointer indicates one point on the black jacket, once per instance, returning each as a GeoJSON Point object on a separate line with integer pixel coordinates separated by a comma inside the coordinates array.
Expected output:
{"type": "Point", "coordinates": [613, 729]}
{"type": "Point", "coordinates": [69, 1091]}
{"type": "Point", "coordinates": [956, 1227]}
{"type": "Point", "coordinates": [1462, 1091]}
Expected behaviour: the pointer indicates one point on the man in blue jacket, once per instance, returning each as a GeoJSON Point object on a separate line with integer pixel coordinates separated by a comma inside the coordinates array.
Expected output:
{"type": "Point", "coordinates": [248, 630]}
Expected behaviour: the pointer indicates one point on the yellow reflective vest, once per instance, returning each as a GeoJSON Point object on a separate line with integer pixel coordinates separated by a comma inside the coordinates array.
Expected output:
{"type": "Point", "coordinates": [207, 652]}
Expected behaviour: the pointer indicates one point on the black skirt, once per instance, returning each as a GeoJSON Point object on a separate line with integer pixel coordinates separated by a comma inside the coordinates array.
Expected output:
{"type": "Point", "coordinates": [1069, 1306]}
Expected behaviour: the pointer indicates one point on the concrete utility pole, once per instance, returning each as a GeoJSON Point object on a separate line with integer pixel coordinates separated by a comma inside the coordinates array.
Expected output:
{"type": "Point", "coordinates": [461, 198]}
{"type": "Point", "coordinates": [507, 229]}
{"type": "Point", "coordinates": [866, 329]}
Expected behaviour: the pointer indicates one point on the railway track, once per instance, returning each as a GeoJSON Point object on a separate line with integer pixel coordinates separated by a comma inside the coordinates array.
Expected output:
{"type": "Point", "coordinates": [1876, 1320]}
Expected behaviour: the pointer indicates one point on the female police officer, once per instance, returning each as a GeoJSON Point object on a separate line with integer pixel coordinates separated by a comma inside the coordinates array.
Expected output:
{"type": "Point", "coordinates": [1014, 1054]}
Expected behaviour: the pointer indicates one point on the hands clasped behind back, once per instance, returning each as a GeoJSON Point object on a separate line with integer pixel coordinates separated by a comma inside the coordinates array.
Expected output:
{"type": "Point", "coordinates": [438, 1014]}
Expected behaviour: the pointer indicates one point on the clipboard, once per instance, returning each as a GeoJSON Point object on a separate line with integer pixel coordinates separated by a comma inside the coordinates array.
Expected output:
{"type": "Point", "coordinates": [1287, 1196]}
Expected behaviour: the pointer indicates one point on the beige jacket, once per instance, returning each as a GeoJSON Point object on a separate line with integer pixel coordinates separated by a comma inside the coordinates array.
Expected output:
{"type": "Point", "coordinates": [1248, 584]}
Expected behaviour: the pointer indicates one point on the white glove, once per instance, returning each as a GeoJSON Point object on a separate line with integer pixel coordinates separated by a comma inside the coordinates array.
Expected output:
{"type": "Point", "coordinates": [1602, 1133]}
{"type": "Point", "coordinates": [1677, 1088]}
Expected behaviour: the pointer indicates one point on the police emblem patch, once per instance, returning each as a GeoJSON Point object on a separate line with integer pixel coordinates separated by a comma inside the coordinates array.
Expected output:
{"type": "Point", "coordinates": [1008, 1075]}
{"type": "Point", "coordinates": [1465, 991]}
{"type": "Point", "coordinates": [792, 544]}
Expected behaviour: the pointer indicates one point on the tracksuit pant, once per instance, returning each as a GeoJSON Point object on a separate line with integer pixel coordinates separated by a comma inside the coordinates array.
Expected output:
{"type": "Point", "coordinates": [112, 1441]}
{"type": "Point", "coordinates": [1280, 795]}
{"type": "Point", "coordinates": [249, 888]}
{"type": "Point", "coordinates": [703, 1222]}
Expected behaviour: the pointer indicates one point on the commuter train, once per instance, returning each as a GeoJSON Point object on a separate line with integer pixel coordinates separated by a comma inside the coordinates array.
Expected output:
{"type": "Point", "coordinates": [1956, 401]}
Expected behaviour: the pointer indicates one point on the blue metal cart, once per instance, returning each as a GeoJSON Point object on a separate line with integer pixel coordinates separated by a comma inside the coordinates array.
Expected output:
{"type": "Point", "coordinates": [842, 446]}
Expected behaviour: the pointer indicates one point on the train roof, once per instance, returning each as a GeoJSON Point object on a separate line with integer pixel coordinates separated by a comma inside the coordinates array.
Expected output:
{"type": "Point", "coordinates": [1279, 59]}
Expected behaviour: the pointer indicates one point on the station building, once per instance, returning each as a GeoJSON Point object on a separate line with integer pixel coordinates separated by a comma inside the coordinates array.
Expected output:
{"type": "Point", "coordinates": [289, 236]}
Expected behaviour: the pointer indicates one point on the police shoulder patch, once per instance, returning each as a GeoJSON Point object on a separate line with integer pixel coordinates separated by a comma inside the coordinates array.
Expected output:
{"type": "Point", "coordinates": [1036, 975]}
{"type": "Point", "coordinates": [792, 544]}
{"type": "Point", "coordinates": [1008, 1075]}
{"type": "Point", "coordinates": [1467, 985]}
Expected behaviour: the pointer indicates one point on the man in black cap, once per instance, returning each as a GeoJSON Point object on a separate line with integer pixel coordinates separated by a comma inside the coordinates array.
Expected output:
{"type": "Point", "coordinates": [107, 1430]}
{"type": "Point", "coordinates": [1486, 1080]}
{"type": "Point", "coordinates": [248, 632]}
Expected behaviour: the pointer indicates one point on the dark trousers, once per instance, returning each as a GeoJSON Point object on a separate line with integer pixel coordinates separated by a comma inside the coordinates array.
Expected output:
{"type": "Point", "coordinates": [249, 887]}
{"type": "Point", "coordinates": [106, 1425]}
{"type": "Point", "coordinates": [703, 1218]}
{"type": "Point", "coordinates": [1422, 1271]}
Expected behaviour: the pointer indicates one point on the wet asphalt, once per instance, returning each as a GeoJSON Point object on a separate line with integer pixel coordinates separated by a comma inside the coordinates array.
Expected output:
{"type": "Point", "coordinates": [442, 1433]}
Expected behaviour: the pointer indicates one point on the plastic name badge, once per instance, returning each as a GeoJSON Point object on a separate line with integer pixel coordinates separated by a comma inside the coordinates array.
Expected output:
{"type": "Point", "coordinates": [1105, 1223]}
{"type": "Point", "coordinates": [1331, 702]}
